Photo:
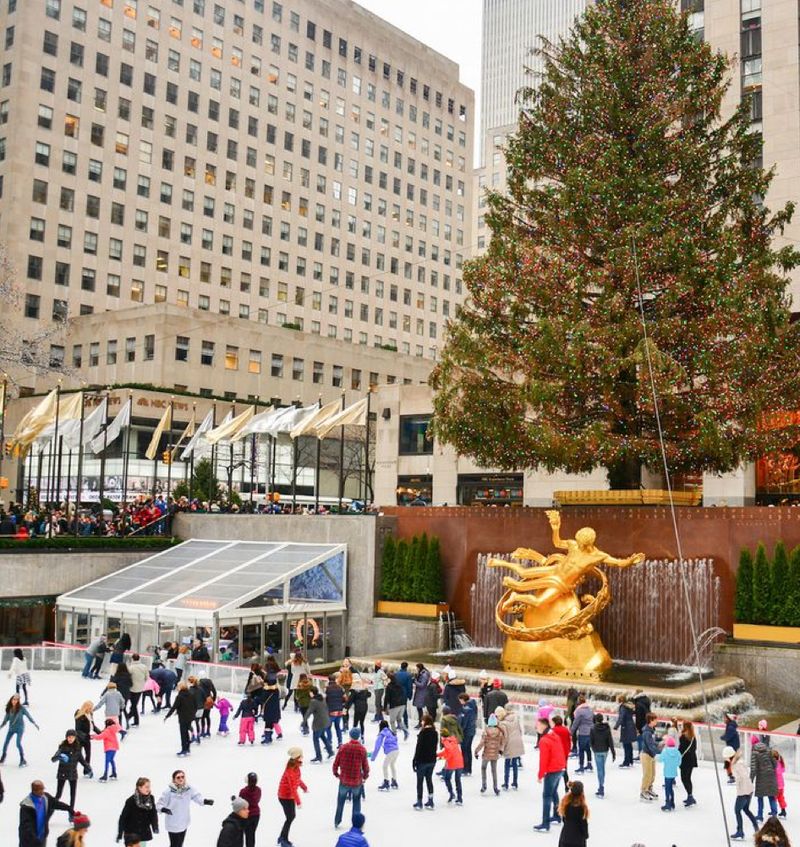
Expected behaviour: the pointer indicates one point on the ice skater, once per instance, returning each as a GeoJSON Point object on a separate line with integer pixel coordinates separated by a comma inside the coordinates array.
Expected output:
{"type": "Point", "coordinates": [22, 677]}
{"type": "Point", "coordinates": [488, 750]}
{"type": "Point", "coordinates": [252, 794]}
{"type": "Point", "coordinates": [224, 707]}
{"type": "Point", "coordinates": [69, 755]}
{"type": "Point", "coordinates": [387, 741]}
{"type": "Point", "coordinates": [15, 717]}
{"type": "Point", "coordinates": [110, 737]}
{"type": "Point", "coordinates": [288, 793]}
{"type": "Point", "coordinates": [84, 727]}
{"type": "Point", "coordinates": [35, 812]}
{"type": "Point", "coordinates": [139, 815]}
{"type": "Point", "coordinates": [176, 804]}
{"type": "Point", "coordinates": [247, 718]}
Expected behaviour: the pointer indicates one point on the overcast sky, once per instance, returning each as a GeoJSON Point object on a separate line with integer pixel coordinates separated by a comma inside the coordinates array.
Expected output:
{"type": "Point", "coordinates": [453, 27]}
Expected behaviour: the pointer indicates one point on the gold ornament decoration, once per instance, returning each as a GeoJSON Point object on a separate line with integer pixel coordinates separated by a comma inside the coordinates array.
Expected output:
{"type": "Point", "coordinates": [552, 630]}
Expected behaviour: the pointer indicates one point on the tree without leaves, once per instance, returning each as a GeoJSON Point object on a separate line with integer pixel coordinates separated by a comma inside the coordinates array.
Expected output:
{"type": "Point", "coordinates": [623, 163]}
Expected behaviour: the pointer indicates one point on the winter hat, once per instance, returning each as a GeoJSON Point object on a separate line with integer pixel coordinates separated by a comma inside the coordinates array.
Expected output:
{"type": "Point", "coordinates": [435, 676]}
{"type": "Point", "coordinates": [754, 739]}
{"type": "Point", "coordinates": [670, 741]}
{"type": "Point", "coordinates": [80, 821]}
{"type": "Point", "coordinates": [762, 724]}
{"type": "Point", "coordinates": [496, 683]}
{"type": "Point", "coordinates": [359, 820]}
{"type": "Point", "coordinates": [355, 733]}
{"type": "Point", "coordinates": [492, 720]}
{"type": "Point", "coordinates": [239, 803]}
{"type": "Point", "coordinates": [295, 753]}
{"type": "Point", "coordinates": [483, 675]}
{"type": "Point", "coordinates": [72, 733]}
{"type": "Point", "coordinates": [728, 752]}
{"type": "Point", "coordinates": [598, 718]}
{"type": "Point", "coordinates": [500, 712]}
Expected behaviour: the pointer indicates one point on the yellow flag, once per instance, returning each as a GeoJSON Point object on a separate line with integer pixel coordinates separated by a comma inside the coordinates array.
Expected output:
{"type": "Point", "coordinates": [355, 415]}
{"type": "Point", "coordinates": [187, 433]}
{"type": "Point", "coordinates": [163, 424]}
{"type": "Point", "coordinates": [226, 431]}
{"type": "Point", "coordinates": [36, 420]}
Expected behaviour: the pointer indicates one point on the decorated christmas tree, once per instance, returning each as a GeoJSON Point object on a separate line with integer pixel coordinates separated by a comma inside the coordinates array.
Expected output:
{"type": "Point", "coordinates": [631, 200]}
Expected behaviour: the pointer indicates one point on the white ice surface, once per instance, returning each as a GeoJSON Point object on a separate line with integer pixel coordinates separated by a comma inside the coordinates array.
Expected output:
{"type": "Point", "coordinates": [218, 768]}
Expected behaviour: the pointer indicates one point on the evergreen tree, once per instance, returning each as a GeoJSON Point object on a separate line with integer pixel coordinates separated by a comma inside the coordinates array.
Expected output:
{"type": "Point", "coordinates": [780, 586]}
{"type": "Point", "coordinates": [762, 583]}
{"type": "Point", "coordinates": [204, 486]}
{"type": "Point", "coordinates": [743, 612]}
{"type": "Point", "coordinates": [434, 592]}
{"type": "Point", "coordinates": [627, 190]}
{"type": "Point", "coordinates": [409, 577]}
{"type": "Point", "coordinates": [388, 570]}
{"type": "Point", "coordinates": [793, 591]}
{"type": "Point", "coordinates": [420, 570]}
{"type": "Point", "coordinates": [401, 569]}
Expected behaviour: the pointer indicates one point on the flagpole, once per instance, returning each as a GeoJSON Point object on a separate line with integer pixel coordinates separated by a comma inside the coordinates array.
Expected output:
{"type": "Point", "coordinates": [294, 468]}
{"type": "Point", "coordinates": [273, 458]}
{"type": "Point", "coordinates": [103, 456]}
{"type": "Point", "coordinates": [188, 464]}
{"type": "Point", "coordinates": [80, 463]}
{"type": "Point", "coordinates": [213, 453]}
{"type": "Point", "coordinates": [316, 470]}
{"type": "Point", "coordinates": [230, 465]}
{"type": "Point", "coordinates": [169, 444]}
{"type": "Point", "coordinates": [55, 438]}
{"type": "Point", "coordinates": [127, 454]}
{"type": "Point", "coordinates": [253, 459]}
{"type": "Point", "coordinates": [341, 462]}
{"type": "Point", "coordinates": [3, 429]}
{"type": "Point", "coordinates": [366, 450]}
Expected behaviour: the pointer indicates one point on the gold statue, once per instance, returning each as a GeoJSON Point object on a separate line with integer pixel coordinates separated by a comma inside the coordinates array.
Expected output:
{"type": "Point", "coordinates": [555, 634]}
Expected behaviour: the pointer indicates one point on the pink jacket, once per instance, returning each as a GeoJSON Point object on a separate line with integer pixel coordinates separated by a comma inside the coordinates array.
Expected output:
{"type": "Point", "coordinates": [545, 711]}
{"type": "Point", "coordinates": [451, 753]}
{"type": "Point", "coordinates": [109, 736]}
{"type": "Point", "coordinates": [224, 706]}
{"type": "Point", "coordinates": [779, 771]}
{"type": "Point", "coordinates": [151, 685]}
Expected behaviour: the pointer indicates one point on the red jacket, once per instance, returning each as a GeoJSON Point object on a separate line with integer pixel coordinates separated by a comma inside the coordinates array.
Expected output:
{"type": "Point", "coordinates": [564, 736]}
{"type": "Point", "coordinates": [109, 736]}
{"type": "Point", "coordinates": [350, 766]}
{"type": "Point", "coordinates": [552, 758]}
{"type": "Point", "coordinates": [452, 754]}
{"type": "Point", "coordinates": [290, 782]}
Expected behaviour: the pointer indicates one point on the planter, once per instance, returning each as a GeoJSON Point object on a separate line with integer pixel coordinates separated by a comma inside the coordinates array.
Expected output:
{"type": "Point", "coordinates": [400, 609]}
{"type": "Point", "coordinates": [643, 497]}
{"type": "Point", "coordinates": [771, 634]}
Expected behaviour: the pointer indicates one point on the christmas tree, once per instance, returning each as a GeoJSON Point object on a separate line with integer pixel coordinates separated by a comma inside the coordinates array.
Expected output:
{"type": "Point", "coordinates": [630, 196]}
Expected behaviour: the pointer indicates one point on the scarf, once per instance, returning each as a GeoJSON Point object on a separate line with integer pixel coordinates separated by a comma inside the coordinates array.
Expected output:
{"type": "Point", "coordinates": [144, 801]}
{"type": "Point", "coordinates": [178, 789]}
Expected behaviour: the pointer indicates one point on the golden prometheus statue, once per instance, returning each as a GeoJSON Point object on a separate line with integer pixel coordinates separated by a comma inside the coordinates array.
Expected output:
{"type": "Point", "coordinates": [555, 634]}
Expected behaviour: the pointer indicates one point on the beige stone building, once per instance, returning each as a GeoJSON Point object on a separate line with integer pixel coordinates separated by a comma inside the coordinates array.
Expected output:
{"type": "Point", "coordinates": [255, 165]}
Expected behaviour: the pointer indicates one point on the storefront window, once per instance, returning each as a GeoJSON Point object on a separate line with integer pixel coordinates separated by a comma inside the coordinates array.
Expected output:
{"type": "Point", "coordinates": [414, 440]}
{"type": "Point", "coordinates": [499, 490]}
{"type": "Point", "coordinates": [414, 490]}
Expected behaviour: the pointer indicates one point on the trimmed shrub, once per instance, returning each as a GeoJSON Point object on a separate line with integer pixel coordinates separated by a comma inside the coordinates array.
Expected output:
{"type": "Point", "coordinates": [743, 611]}
{"type": "Point", "coordinates": [762, 587]}
{"type": "Point", "coordinates": [793, 589]}
{"type": "Point", "coordinates": [388, 569]}
{"type": "Point", "coordinates": [778, 615]}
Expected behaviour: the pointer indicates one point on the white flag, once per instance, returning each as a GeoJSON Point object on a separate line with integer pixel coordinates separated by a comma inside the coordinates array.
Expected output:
{"type": "Point", "coordinates": [112, 431]}
{"type": "Point", "coordinates": [308, 425]}
{"type": "Point", "coordinates": [355, 415]}
{"type": "Point", "coordinates": [205, 426]}
{"type": "Point", "coordinates": [92, 424]}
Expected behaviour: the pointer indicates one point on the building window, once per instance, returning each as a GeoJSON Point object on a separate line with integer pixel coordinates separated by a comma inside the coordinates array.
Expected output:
{"type": "Point", "coordinates": [111, 352]}
{"type": "Point", "coordinates": [414, 439]}
{"type": "Point", "coordinates": [32, 302]}
{"type": "Point", "coordinates": [254, 365]}
{"type": "Point", "coordinates": [338, 376]}
{"type": "Point", "coordinates": [231, 358]}
{"type": "Point", "coordinates": [182, 348]}
{"type": "Point", "coordinates": [149, 347]}
{"type": "Point", "coordinates": [276, 368]}
{"type": "Point", "coordinates": [207, 353]}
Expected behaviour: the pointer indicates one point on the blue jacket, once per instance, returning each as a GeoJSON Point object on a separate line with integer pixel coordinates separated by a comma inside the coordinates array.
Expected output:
{"type": "Point", "coordinates": [671, 759]}
{"type": "Point", "coordinates": [386, 739]}
{"type": "Point", "coordinates": [166, 679]}
{"type": "Point", "coordinates": [469, 718]}
{"type": "Point", "coordinates": [731, 734]}
{"type": "Point", "coordinates": [649, 743]}
{"type": "Point", "coordinates": [353, 838]}
{"type": "Point", "coordinates": [407, 681]}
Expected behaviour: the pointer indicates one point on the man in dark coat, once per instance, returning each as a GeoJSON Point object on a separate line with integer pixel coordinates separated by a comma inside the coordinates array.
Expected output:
{"type": "Point", "coordinates": [407, 681]}
{"type": "Point", "coordinates": [232, 834]}
{"type": "Point", "coordinates": [35, 812]}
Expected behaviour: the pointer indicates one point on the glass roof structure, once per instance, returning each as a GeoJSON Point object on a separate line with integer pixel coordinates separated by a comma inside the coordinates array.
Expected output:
{"type": "Point", "coordinates": [203, 582]}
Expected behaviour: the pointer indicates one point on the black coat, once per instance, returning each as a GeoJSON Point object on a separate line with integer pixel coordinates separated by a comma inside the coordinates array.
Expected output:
{"type": "Point", "coordinates": [69, 770]}
{"type": "Point", "coordinates": [432, 694]}
{"type": "Point", "coordinates": [427, 745]}
{"type": "Point", "coordinates": [641, 705]}
{"type": "Point", "coordinates": [185, 705]}
{"type": "Point", "coordinates": [272, 706]}
{"type": "Point", "coordinates": [688, 751]}
{"type": "Point", "coordinates": [334, 697]}
{"type": "Point", "coordinates": [123, 682]}
{"type": "Point", "coordinates": [496, 697]}
{"type": "Point", "coordinates": [200, 654]}
{"type": "Point", "coordinates": [575, 831]}
{"type": "Point", "coordinates": [232, 834]}
{"type": "Point", "coordinates": [135, 818]}
{"type": "Point", "coordinates": [27, 820]}
{"type": "Point", "coordinates": [600, 738]}
{"type": "Point", "coordinates": [85, 726]}
{"type": "Point", "coordinates": [395, 695]}
{"type": "Point", "coordinates": [358, 700]}
{"type": "Point", "coordinates": [207, 687]}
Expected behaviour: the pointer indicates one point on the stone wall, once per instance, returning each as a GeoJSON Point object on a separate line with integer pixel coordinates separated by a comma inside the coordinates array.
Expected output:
{"type": "Point", "coordinates": [770, 673]}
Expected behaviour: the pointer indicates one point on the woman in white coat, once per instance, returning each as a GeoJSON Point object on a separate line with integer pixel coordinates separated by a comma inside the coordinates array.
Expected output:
{"type": "Point", "coordinates": [175, 804]}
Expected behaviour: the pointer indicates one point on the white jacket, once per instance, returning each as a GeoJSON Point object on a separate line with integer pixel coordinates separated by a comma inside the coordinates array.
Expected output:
{"type": "Point", "coordinates": [179, 801]}
{"type": "Point", "coordinates": [18, 667]}
{"type": "Point", "coordinates": [139, 675]}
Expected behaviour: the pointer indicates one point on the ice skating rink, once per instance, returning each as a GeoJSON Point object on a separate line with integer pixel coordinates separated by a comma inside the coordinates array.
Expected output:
{"type": "Point", "coordinates": [218, 768]}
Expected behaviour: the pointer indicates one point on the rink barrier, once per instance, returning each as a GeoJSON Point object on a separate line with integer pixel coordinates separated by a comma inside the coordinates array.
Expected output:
{"type": "Point", "coordinates": [53, 656]}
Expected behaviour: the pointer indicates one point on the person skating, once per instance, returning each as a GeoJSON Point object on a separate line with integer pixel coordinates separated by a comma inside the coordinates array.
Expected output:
{"type": "Point", "coordinates": [84, 727]}
{"type": "Point", "coordinates": [449, 725]}
{"type": "Point", "coordinates": [224, 707]}
{"type": "Point", "coordinates": [488, 750]}
{"type": "Point", "coordinates": [730, 738]}
{"type": "Point", "coordinates": [565, 737]}
{"type": "Point", "coordinates": [302, 697]}
{"type": "Point", "coordinates": [485, 687]}
{"type": "Point", "coordinates": [176, 804]}
{"type": "Point", "coordinates": [424, 760]}
{"type": "Point", "coordinates": [552, 764]}
{"type": "Point", "coordinates": [209, 691]}
{"type": "Point", "coordinates": [453, 766]}
{"type": "Point", "coordinates": [110, 738]}
{"type": "Point", "coordinates": [22, 677]}
{"type": "Point", "coordinates": [185, 708]}
{"type": "Point", "coordinates": [74, 836]}
{"type": "Point", "coordinates": [496, 697]}
{"type": "Point", "coordinates": [139, 815]}
{"type": "Point", "coordinates": [317, 714]}
{"type": "Point", "coordinates": [780, 771]}
{"type": "Point", "coordinates": [670, 759]}
{"type": "Point", "coordinates": [200, 651]}
{"type": "Point", "coordinates": [687, 747]}
{"type": "Point", "coordinates": [121, 646]}
{"type": "Point", "coordinates": [762, 772]}
{"type": "Point", "coordinates": [641, 709]}
{"type": "Point", "coordinates": [233, 827]}
{"type": "Point", "coordinates": [454, 687]}
{"type": "Point", "coordinates": [252, 794]}
{"type": "Point", "coordinates": [582, 722]}
{"type": "Point", "coordinates": [421, 679]}
{"type": "Point", "coordinates": [246, 712]}
{"type": "Point", "coordinates": [68, 755]}
{"type": "Point", "coordinates": [354, 837]}
{"type": "Point", "coordinates": [648, 758]}
{"type": "Point", "coordinates": [90, 654]}
{"type": "Point", "coordinates": [468, 719]}
{"type": "Point", "coordinates": [379, 682]}
{"type": "Point", "coordinates": [574, 812]}
{"type": "Point", "coordinates": [271, 710]}
{"type": "Point", "coordinates": [139, 675]}
{"type": "Point", "coordinates": [387, 741]}
{"type": "Point", "coordinates": [297, 665]}
{"type": "Point", "coordinates": [15, 716]}
{"type": "Point", "coordinates": [35, 811]}
{"type": "Point", "coordinates": [166, 681]}
{"type": "Point", "coordinates": [513, 746]}
{"type": "Point", "coordinates": [433, 694]}
{"type": "Point", "coordinates": [334, 698]}
{"type": "Point", "coordinates": [395, 701]}
{"type": "Point", "coordinates": [626, 725]}
{"type": "Point", "coordinates": [181, 661]}
{"type": "Point", "coordinates": [358, 699]}
{"type": "Point", "coordinates": [351, 768]}
{"type": "Point", "coordinates": [601, 743]}
{"type": "Point", "coordinates": [744, 789]}
{"type": "Point", "coordinates": [288, 792]}
{"type": "Point", "coordinates": [404, 678]}
{"type": "Point", "coordinates": [112, 701]}
{"type": "Point", "coordinates": [772, 834]}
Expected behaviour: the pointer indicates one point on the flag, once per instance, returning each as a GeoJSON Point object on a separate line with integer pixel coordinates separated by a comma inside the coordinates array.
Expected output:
{"type": "Point", "coordinates": [256, 424]}
{"type": "Point", "coordinates": [70, 409]}
{"type": "Point", "coordinates": [187, 433]}
{"type": "Point", "coordinates": [42, 414]}
{"type": "Point", "coordinates": [194, 441]}
{"type": "Point", "coordinates": [92, 424]}
{"type": "Point", "coordinates": [226, 431]}
{"type": "Point", "coordinates": [355, 415]}
{"type": "Point", "coordinates": [164, 424]}
{"type": "Point", "coordinates": [308, 425]}
{"type": "Point", "coordinates": [112, 431]}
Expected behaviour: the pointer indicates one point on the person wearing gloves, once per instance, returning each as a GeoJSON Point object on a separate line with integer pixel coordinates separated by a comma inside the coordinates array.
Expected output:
{"type": "Point", "coordinates": [387, 741]}
{"type": "Point", "coordinates": [19, 670]}
{"type": "Point", "coordinates": [139, 815]}
{"type": "Point", "coordinates": [232, 833]}
{"type": "Point", "coordinates": [670, 758]}
{"type": "Point", "coordinates": [15, 717]}
{"type": "Point", "coordinates": [175, 803]}
{"type": "Point", "coordinates": [68, 755]}
{"type": "Point", "coordinates": [737, 768]}
{"type": "Point", "coordinates": [355, 836]}
{"type": "Point", "coordinates": [453, 765]}
{"type": "Point", "coordinates": [84, 727]}
{"type": "Point", "coordinates": [601, 743]}
{"type": "Point", "coordinates": [252, 794]}
{"type": "Point", "coordinates": [35, 812]}
{"type": "Point", "coordinates": [288, 793]}
{"type": "Point", "coordinates": [73, 837]}
{"type": "Point", "coordinates": [488, 750]}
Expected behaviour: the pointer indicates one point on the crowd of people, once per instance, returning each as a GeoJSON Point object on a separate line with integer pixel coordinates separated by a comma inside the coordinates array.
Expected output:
{"type": "Point", "coordinates": [357, 717]}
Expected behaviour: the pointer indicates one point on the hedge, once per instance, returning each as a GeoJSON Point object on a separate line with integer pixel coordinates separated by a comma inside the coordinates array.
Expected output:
{"type": "Point", "coordinates": [768, 590]}
{"type": "Point", "coordinates": [412, 571]}
{"type": "Point", "coordinates": [89, 542]}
